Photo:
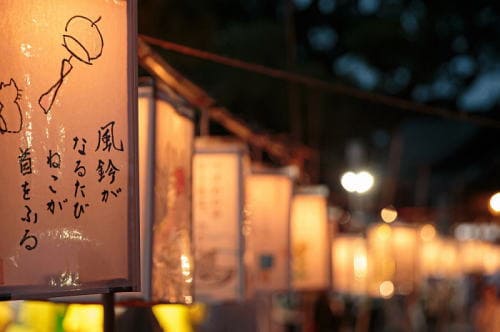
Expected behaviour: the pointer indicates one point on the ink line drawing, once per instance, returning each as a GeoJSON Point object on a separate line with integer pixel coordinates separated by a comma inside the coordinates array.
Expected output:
{"type": "Point", "coordinates": [83, 40]}
{"type": "Point", "coordinates": [11, 118]}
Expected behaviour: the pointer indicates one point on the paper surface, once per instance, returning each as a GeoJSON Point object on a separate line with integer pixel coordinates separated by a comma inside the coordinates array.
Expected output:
{"type": "Point", "coordinates": [66, 171]}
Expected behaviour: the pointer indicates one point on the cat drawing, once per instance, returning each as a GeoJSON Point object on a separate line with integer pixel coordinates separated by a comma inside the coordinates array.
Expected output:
{"type": "Point", "coordinates": [11, 119]}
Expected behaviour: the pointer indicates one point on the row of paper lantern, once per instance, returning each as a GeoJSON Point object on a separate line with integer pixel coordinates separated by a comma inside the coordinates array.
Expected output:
{"type": "Point", "coordinates": [394, 259]}
{"type": "Point", "coordinates": [216, 228]}
{"type": "Point", "coordinates": [213, 226]}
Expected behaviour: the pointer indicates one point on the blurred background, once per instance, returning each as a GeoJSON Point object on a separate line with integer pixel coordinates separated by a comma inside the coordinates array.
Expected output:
{"type": "Point", "coordinates": [443, 54]}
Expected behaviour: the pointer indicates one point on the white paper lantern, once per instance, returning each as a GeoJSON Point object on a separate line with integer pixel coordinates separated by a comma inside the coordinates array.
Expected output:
{"type": "Point", "coordinates": [269, 194]}
{"type": "Point", "coordinates": [394, 258]}
{"type": "Point", "coordinates": [349, 264]}
{"type": "Point", "coordinates": [219, 230]}
{"type": "Point", "coordinates": [68, 124]}
{"type": "Point", "coordinates": [166, 136]}
{"type": "Point", "coordinates": [310, 239]}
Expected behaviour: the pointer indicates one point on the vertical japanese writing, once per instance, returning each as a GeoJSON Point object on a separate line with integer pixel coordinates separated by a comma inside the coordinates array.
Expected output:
{"type": "Point", "coordinates": [106, 170]}
{"type": "Point", "coordinates": [106, 140]}
{"type": "Point", "coordinates": [30, 216]}
{"type": "Point", "coordinates": [57, 201]}
{"type": "Point", "coordinates": [80, 203]}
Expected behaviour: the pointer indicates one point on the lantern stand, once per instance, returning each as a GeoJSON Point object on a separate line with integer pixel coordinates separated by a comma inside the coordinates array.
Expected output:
{"type": "Point", "coordinates": [204, 122]}
{"type": "Point", "coordinates": [108, 302]}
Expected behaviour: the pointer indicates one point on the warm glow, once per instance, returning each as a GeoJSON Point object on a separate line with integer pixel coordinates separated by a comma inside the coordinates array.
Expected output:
{"type": "Point", "coordinates": [449, 260]}
{"type": "Point", "coordinates": [430, 252]}
{"type": "Point", "coordinates": [495, 203]}
{"type": "Point", "coordinates": [491, 259]}
{"type": "Point", "coordinates": [427, 232]}
{"type": "Point", "coordinates": [218, 218]}
{"type": "Point", "coordinates": [165, 155]}
{"type": "Point", "coordinates": [386, 289]}
{"type": "Point", "coordinates": [383, 232]}
{"type": "Point", "coordinates": [309, 232]}
{"type": "Point", "coordinates": [393, 253]}
{"type": "Point", "coordinates": [268, 201]}
{"type": "Point", "coordinates": [6, 315]}
{"type": "Point", "coordinates": [472, 254]}
{"type": "Point", "coordinates": [173, 317]}
{"type": "Point", "coordinates": [68, 107]}
{"type": "Point", "coordinates": [83, 317]}
{"type": "Point", "coordinates": [360, 264]}
{"type": "Point", "coordinates": [388, 214]}
{"type": "Point", "coordinates": [360, 182]}
{"type": "Point", "coordinates": [349, 264]}
{"type": "Point", "coordinates": [39, 315]}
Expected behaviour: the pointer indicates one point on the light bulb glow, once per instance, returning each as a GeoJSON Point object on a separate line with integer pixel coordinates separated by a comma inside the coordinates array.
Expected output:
{"type": "Point", "coordinates": [388, 214]}
{"type": "Point", "coordinates": [348, 181]}
{"type": "Point", "coordinates": [360, 182]}
{"type": "Point", "coordinates": [386, 289]}
{"type": "Point", "coordinates": [495, 203]}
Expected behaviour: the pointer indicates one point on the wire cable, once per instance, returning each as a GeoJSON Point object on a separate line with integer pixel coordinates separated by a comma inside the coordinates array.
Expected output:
{"type": "Point", "coordinates": [336, 88]}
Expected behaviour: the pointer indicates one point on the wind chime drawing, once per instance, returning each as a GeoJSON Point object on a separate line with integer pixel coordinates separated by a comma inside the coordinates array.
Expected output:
{"type": "Point", "coordinates": [83, 40]}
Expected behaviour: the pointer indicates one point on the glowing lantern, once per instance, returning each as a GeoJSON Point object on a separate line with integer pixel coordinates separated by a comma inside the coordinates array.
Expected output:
{"type": "Point", "coordinates": [269, 194]}
{"type": "Point", "coordinates": [83, 317]}
{"type": "Point", "coordinates": [393, 256]}
{"type": "Point", "coordinates": [173, 317]}
{"type": "Point", "coordinates": [439, 257]}
{"type": "Point", "coordinates": [449, 259]}
{"type": "Point", "coordinates": [219, 170]}
{"type": "Point", "coordinates": [349, 264]}
{"type": "Point", "coordinates": [429, 258]}
{"type": "Point", "coordinates": [310, 239]}
{"type": "Point", "coordinates": [68, 99]}
{"type": "Point", "coordinates": [430, 247]}
{"type": "Point", "coordinates": [166, 134]}
{"type": "Point", "coordinates": [472, 253]}
{"type": "Point", "coordinates": [491, 259]}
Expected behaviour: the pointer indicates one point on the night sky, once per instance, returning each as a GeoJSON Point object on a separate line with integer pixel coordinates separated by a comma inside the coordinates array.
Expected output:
{"type": "Point", "coordinates": [443, 54]}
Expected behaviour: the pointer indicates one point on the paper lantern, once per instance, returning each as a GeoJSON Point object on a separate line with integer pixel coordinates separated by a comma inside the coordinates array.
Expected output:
{"type": "Point", "coordinates": [393, 256]}
{"type": "Point", "coordinates": [269, 194]}
{"type": "Point", "coordinates": [449, 259]}
{"type": "Point", "coordinates": [310, 239]}
{"type": "Point", "coordinates": [429, 258]}
{"type": "Point", "coordinates": [68, 125]}
{"type": "Point", "coordinates": [349, 264]}
{"type": "Point", "coordinates": [219, 169]}
{"type": "Point", "coordinates": [166, 136]}
{"type": "Point", "coordinates": [439, 258]}
{"type": "Point", "coordinates": [491, 259]}
{"type": "Point", "coordinates": [472, 253]}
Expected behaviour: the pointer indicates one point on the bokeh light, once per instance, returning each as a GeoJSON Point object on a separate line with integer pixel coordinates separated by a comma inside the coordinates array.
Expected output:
{"type": "Point", "coordinates": [427, 232]}
{"type": "Point", "coordinates": [388, 214]}
{"type": "Point", "coordinates": [495, 203]}
{"type": "Point", "coordinates": [360, 182]}
{"type": "Point", "coordinates": [386, 289]}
